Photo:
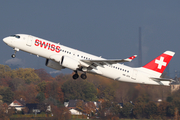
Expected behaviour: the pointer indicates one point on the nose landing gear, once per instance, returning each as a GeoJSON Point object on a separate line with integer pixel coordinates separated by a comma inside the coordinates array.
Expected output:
{"type": "Point", "coordinates": [15, 50]}
{"type": "Point", "coordinates": [13, 55]}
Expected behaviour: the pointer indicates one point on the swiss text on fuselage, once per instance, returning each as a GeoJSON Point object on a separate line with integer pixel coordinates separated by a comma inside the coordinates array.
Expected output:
{"type": "Point", "coordinates": [47, 45]}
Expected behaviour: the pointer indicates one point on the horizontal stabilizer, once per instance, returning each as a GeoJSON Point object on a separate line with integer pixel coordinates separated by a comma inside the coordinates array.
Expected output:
{"type": "Point", "coordinates": [162, 79]}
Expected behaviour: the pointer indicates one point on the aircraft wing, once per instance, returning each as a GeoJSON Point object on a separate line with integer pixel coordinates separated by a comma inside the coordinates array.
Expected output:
{"type": "Point", "coordinates": [96, 63]}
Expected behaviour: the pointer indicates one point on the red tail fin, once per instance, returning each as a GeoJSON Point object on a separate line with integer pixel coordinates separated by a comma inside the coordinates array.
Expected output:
{"type": "Point", "coordinates": [160, 63]}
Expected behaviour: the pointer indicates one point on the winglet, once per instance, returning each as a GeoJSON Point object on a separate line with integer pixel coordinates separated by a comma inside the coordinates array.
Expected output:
{"type": "Point", "coordinates": [131, 58]}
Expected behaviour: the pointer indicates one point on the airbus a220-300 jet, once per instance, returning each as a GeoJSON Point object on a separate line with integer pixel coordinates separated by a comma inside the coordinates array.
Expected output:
{"type": "Point", "coordinates": [59, 56]}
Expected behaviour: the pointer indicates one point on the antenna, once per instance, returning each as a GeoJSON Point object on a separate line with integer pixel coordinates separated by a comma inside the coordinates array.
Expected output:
{"type": "Point", "coordinates": [140, 49]}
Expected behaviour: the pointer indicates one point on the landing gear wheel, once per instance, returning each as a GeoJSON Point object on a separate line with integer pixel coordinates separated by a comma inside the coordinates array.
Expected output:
{"type": "Point", "coordinates": [15, 50]}
{"type": "Point", "coordinates": [13, 55]}
{"type": "Point", "coordinates": [83, 76]}
{"type": "Point", "coordinates": [75, 76]}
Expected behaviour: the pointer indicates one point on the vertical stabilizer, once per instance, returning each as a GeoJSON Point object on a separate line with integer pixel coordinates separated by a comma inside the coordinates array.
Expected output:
{"type": "Point", "coordinates": [159, 64]}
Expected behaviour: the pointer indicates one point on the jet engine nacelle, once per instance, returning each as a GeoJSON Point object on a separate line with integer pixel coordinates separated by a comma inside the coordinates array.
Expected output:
{"type": "Point", "coordinates": [69, 63]}
{"type": "Point", "coordinates": [53, 64]}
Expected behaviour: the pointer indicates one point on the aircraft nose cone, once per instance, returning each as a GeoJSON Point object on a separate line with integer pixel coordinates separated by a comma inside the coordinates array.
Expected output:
{"type": "Point", "coordinates": [6, 40]}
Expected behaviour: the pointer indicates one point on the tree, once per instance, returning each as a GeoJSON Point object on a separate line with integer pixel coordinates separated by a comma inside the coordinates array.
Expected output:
{"type": "Point", "coordinates": [2, 109]}
{"type": "Point", "coordinates": [42, 106]}
{"type": "Point", "coordinates": [60, 94]}
{"type": "Point", "coordinates": [115, 109]}
{"type": "Point", "coordinates": [26, 74]}
{"type": "Point", "coordinates": [5, 71]}
{"type": "Point", "coordinates": [60, 113]}
{"type": "Point", "coordinates": [108, 93]}
{"type": "Point", "coordinates": [176, 100]}
{"type": "Point", "coordinates": [20, 94]}
{"type": "Point", "coordinates": [3, 82]}
{"type": "Point", "coordinates": [11, 111]}
{"type": "Point", "coordinates": [170, 110]}
{"type": "Point", "coordinates": [106, 104]}
{"type": "Point", "coordinates": [138, 110]}
{"type": "Point", "coordinates": [25, 110]}
{"type": "Point", "coordinates": [169, 99]}
{"type": "Point", "coordinates": [79, 89]}
{"type": "Point", "coordinates": [40, 97]}
{"type": "Point", "coordinates": [105, 109]}
{"type": "Point", "coordinates": [89, 108]}
{"type": "Point", "coordinates": [53, 101]}
{"type": "Point", "coordinates": [150, 110]}
{"type": "Point", "coordinates": [144, 97]}
{"type": "Point", "coordinates": [54, 90]}
{"type": "Point", "coordinates": [1, 100]}
{"type": "Point", "coordinates": [89, 91]}
{"type": "Point", "coordinates": [7, 94]}
{"type": "Point", "coordinates": [162, 109]}
{"type": "Point", "coordinates": [127, 110]}
{"type": "Point", "coordinates": [62, 78]}
{"type": "Point", "coordinates": [80, 105]}
{"type": "Point", "coordinates": [121, 94]}
{"type": "Point", "coordinates": [16, 84]}
{"type": "Point", "coordinates": [44, 76]}
{"type": "Point", "coordinates": [41, 87]}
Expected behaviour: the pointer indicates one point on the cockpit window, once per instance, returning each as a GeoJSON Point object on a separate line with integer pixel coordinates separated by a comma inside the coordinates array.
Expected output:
{"type": "Point", "coordinates": [16, 36]}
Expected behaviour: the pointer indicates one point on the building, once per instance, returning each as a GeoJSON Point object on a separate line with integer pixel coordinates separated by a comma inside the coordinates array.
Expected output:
{"type": "Point", "coordinates": [18, 104]}
{"type": "Point", "coordinates": [88, 107]}
{"type": "Point", "coordinates": [175, 87]}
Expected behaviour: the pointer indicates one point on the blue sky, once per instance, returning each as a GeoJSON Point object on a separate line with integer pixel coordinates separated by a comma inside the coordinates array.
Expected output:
{"type": "Point", "coordinates": [103, 28]}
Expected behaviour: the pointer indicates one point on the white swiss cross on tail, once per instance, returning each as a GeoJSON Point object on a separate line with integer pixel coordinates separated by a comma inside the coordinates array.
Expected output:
{"type": "Point", "coordinates": [160, 63]}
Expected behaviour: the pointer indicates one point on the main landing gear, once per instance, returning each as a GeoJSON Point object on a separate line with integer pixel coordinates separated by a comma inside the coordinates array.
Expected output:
{"type": "Point", "coordinates": [83, 75]}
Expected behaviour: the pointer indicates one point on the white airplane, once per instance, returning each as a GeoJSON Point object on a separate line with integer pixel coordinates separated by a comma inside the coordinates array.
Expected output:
{"type": "Point", "coordinates": [59, 57]}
